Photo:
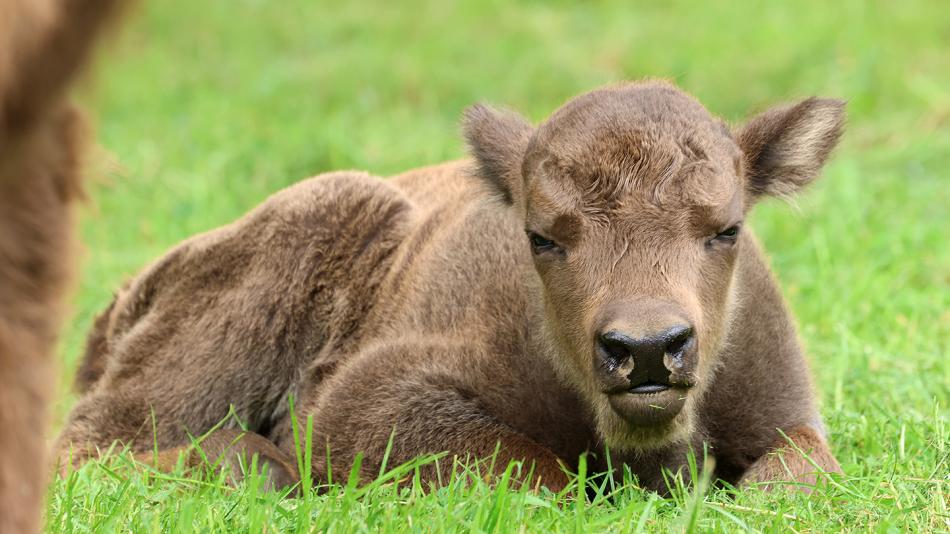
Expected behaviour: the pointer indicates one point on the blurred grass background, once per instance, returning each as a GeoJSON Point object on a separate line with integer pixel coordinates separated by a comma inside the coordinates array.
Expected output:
{"type": "Point", "coordinates": [204, 108]}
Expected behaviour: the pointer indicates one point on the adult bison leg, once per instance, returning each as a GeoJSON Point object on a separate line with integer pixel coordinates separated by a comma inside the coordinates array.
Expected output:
{"type": "Point", "coordinates": [425, 398]}
{"type": "Point", "coordinates": [43, 46]}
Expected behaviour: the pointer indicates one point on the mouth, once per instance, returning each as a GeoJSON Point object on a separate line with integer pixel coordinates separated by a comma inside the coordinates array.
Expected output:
{"type": "Point", "coordinates": [648, 404]}
{"type": "Point", "coordinates": [648, 387]}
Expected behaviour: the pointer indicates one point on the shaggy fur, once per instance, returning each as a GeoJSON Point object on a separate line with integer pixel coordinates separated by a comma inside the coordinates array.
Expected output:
{"type": "Point", "coordinates": [418, 308]}
{"type": "Point", "coordinates": [43, 46]}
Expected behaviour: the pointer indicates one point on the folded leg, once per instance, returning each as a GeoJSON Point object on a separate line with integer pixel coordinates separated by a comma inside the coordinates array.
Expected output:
{"type": "Point", "coordinates": [421, 396]}
{"type": "Point", "coordinates": [799, 459]}
{"type": "Point", "coordinates": [233, 451]}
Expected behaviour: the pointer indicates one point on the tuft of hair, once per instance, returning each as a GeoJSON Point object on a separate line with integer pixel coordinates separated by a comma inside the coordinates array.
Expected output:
{"type": "Point", "coordinates": [497, 139]}
{"type": "Point", "coordinates": [786, 147]}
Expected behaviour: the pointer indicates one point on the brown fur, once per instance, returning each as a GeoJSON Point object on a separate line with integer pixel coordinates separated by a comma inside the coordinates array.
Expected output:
{"type": "Point", "coordinates": [43, 46]}
{"type": "Point", "coordinates": [418, 304]}
{"type": "Point", "coordinates": [230, 449]}
{"type": "Point", "coordinates": [799, 458]}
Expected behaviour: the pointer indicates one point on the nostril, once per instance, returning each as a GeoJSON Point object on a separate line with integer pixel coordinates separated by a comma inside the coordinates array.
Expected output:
{"type": "Point", "coordinates": [677, 339]}
{"type": "Point", "coordinates": [615, 346]}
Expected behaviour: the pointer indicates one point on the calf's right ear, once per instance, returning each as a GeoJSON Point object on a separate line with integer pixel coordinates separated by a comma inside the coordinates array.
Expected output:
{"type": "Point", "coordinates": [785, 147]}
{"type": "Point", "coordinates": [498, 141]}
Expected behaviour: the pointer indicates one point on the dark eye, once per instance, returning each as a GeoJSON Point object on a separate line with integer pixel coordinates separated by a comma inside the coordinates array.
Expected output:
{"type": "Point", "coordinates": [540, 243]}
{"type": "Point", "coordinates": [728, 235]}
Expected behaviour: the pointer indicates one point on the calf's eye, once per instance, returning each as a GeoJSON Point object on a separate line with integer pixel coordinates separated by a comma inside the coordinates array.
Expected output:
{"type": "Point", "coordinates": [729, 233]}
{"type": "Point", "coordinates": [540, 243]}
{"type": "Point", "coordinates": [727, 236]}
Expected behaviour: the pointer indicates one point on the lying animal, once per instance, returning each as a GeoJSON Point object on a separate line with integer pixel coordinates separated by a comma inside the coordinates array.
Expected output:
{"type": "Point", "coordinates": [582, 284]}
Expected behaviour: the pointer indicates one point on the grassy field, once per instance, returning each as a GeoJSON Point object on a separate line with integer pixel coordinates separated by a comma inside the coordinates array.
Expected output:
{"type": "Point", "coordinates": [206, 107]}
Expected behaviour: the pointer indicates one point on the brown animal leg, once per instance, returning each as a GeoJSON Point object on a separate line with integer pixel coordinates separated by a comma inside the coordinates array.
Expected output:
{"type": "Point", "coordinates": [496, 446]}
{"type": "Point", "coordinates": [786, 461]}
{"type": "Point", "coordinates": [43, 46]}
{"type": "Point", "coordinates": [419, 396]}
{"type": "Point", "coordinates": [98, 421]}
{"type": "Point", "coordinates": [231, 450]}
{"type": "Point", "coordinates": [470, 436]}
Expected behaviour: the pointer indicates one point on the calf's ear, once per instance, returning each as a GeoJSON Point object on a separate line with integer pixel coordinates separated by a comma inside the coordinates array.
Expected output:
{"type": "Point", "coordinates": [785, 147]}
{"type": "Point", "coordinates": [498, 140]}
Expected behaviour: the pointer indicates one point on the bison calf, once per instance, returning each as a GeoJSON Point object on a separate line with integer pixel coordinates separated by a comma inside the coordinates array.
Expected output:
{"type": "Point", "coordinates": [586, 283]}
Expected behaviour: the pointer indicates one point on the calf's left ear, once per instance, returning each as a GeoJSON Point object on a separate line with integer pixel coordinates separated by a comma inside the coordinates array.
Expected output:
{"type": "Point", "coordinates": [786, 146]}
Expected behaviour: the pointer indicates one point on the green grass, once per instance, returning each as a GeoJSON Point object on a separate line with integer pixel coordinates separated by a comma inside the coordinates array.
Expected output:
{"type": "Point", "coordinates": [206, 107]}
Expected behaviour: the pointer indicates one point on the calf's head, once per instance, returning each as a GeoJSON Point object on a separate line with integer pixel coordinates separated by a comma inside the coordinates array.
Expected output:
{"type": "Point", "coordinates": [633, 199]}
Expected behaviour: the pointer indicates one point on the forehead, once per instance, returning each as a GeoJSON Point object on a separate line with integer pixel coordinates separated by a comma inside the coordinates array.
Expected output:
{"type": "Point", "coordinates": [639, 144]}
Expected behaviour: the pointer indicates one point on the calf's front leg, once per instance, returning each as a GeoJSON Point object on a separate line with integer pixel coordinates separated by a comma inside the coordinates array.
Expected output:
{"type": "Point", "coordinates": [408, 400]}
{"type": "Point", "coordinates": [800, 457]}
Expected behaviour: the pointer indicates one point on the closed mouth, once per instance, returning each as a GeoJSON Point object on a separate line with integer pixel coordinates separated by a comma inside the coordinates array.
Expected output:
{"type": "Point", "coordinates": [648, 387]}
{"type": "Point", "coordinates": [648, 404]}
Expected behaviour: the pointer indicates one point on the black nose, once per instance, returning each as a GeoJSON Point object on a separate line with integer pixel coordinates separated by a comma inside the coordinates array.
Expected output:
{"type": "Point", "coordinates": [651, 368]}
